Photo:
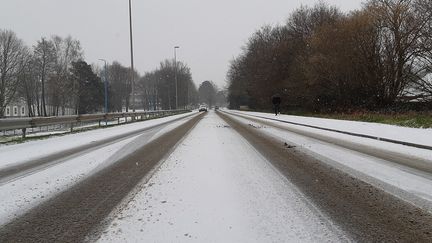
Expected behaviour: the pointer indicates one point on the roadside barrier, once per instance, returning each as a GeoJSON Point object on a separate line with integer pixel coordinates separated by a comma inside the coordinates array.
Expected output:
{"type": "Point", "coordinates": [23, 124]}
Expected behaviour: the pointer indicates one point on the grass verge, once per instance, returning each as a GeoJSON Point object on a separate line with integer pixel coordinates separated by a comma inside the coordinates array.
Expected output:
{"type": "Point", "coordinates": [410, 119]}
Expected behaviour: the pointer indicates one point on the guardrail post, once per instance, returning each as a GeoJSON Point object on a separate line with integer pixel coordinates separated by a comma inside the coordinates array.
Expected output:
{"type": "Point", "coordinates": [71, 127]}
{"type": "Point", "coordinates": [24, 132]}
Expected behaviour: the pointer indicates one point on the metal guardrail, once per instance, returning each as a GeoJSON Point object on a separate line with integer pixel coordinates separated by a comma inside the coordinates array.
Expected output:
{"type": "Point", "coordinates": [25, 123]}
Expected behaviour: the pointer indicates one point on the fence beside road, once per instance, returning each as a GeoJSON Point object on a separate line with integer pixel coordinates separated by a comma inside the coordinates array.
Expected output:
{"type": "Point", "coordinates": [10, 124]}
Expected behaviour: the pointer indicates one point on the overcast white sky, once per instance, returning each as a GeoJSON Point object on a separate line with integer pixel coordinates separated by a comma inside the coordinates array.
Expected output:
{"type": "Point", "coordinates": [209, 32]}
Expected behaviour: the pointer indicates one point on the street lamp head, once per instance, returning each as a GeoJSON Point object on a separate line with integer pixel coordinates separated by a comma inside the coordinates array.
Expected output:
{"type": "Point", "coordinates": [176, 47]}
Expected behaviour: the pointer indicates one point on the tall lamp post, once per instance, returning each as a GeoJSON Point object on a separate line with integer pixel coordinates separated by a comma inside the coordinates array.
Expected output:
{"type": "Point", "coordinates": [175, 73]}
{"type": "Point", "coordinates": [105, 85]}
{"type": "Point", "coordinates": [132, 59]}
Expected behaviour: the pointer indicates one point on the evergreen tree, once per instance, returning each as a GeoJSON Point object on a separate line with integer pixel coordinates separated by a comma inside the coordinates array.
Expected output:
{"type": "Point", "coordinates": [90, 88]}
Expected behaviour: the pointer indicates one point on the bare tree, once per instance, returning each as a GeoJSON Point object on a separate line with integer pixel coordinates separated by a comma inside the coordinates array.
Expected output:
{"type": "Point", "coordinates": [29, 87]}
{"type": "Point", "coordinates": [147, 91]}
{"type": "Point", "coordinates": [323, 59]}
{"type": "Point", "coordinates": [345, 63]}
{"type": "Point", "coordinates": [44, 61]}
{"type": "Point", "coordinates": [13, 59]}
{"type": "Point", "coordinates": [63, 90]}
{"type": "Point", "coordinates": [157, 88]}
{"type": "Point", "coordinates": [118, 77]}
{"type": "Point", "coordinates": [423, 83]}
{"type": "Point", "coordinates": [401, 26]}
{"type": "Point", "coordinates": [207, 92]}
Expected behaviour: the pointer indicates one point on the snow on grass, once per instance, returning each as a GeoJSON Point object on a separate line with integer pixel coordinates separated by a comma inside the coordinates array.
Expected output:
{"type": "Point", "coordinates": [406, 134]}
{"type": "Point", "coordinates": [216, 188]}
{"type": "Point", "coordinates": [19, 153]}
{"type": "Point", "coordinates": [410, 185]}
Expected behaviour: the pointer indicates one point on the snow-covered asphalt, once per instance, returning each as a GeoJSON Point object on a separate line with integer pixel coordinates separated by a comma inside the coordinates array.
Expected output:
{"type": "Point", "coordinates": [215, 177]}
{"type": "Point", "coordinates": [364, 195]}
{"type": "Point", "coordinates": [388, 166]}
{"type": "Point", "coordinates": [66, 200]}
{"type": "Point", "coordinates": [215, 187]}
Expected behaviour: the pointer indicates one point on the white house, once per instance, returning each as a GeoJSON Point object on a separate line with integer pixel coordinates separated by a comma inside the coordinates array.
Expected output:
{"type": "Point", "coordinates": [16, 109]}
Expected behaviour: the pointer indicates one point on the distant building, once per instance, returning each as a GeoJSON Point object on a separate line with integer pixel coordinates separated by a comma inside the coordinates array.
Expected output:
{"type": "Point", "coordinates": [16, 109]}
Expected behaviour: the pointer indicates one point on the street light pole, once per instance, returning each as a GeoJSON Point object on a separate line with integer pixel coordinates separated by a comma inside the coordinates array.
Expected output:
{"type": "Point", "coordinates": [105, 85]}
{"type": "Point", "coordinates": [132, 58]}
{"type": "Point", "coordinates": [175, 73]}
{"type": "Point", "coordinates": [187, 92]}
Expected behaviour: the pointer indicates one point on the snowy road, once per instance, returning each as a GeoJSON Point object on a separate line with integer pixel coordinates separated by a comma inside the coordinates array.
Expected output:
{"type": "Point", "coordinates": [217, 188]}
{"type": "Point", "coordinates": [214, 177]}
{"type": "Point", "coordinates": [66, 200]}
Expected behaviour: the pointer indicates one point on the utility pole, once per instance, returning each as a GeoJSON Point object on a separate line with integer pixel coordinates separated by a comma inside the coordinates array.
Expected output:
{"type": "Point", "coordinates": [132, 58]}
{"type": "Point", "coordinates": [175, 74]}
{"type": "Point", "coordinates": [187, 92]}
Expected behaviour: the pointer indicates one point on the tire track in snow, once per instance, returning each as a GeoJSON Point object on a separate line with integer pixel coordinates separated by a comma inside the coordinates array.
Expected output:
{"type": "Point", "coordinates": [23, 169]}
{"type": "Point", "coordinates": [422, 165]}
{"type": "Point", "coordinates": [367, 213]}
{"type": "Point", "coordinates": [73, 214]}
